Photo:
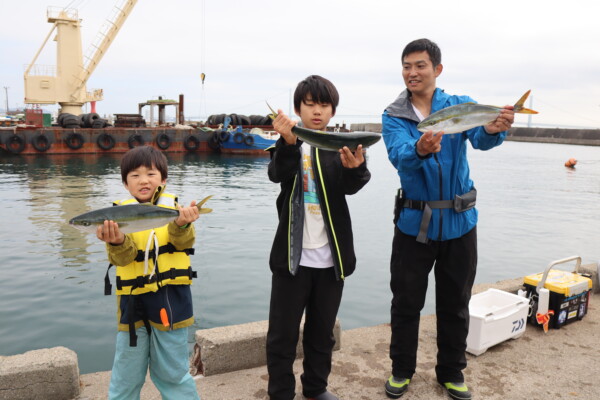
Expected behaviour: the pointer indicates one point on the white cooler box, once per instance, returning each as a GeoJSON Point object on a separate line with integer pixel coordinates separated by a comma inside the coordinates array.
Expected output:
{"type": "Point", "coordinates": [495, 316]}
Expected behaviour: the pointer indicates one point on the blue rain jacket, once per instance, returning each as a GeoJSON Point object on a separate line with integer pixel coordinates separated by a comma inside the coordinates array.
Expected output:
{"type": "Point", "coordinates": [438, 176]}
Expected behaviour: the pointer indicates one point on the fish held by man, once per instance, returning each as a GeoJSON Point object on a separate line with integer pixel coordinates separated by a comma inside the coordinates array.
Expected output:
{"type": "Point", "coordinates": [462, 117]}
{"type": "Point", "coordinates": [333, 141]}
{"type": "Point", "coordinates": [132, 217]}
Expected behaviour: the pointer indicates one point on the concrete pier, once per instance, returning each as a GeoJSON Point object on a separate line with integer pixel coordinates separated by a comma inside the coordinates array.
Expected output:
{"type": "Point", "coordinates": [560, 364]}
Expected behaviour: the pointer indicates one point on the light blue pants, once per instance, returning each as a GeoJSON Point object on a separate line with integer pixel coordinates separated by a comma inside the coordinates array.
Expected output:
{"type": "Point", "coordinates": [166, 353]}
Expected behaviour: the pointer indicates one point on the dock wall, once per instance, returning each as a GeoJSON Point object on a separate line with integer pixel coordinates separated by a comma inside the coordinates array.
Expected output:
{"type": "Point", "coordinates": [585, 137]}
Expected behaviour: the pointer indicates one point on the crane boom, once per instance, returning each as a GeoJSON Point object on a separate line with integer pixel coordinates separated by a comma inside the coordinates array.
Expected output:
{"type": "Point", "coordinates": [66, 84]}
{"type": "Point", "coordinates": [107, 36]}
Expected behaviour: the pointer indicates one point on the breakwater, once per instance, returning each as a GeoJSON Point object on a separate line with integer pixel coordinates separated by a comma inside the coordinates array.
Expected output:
{"type": "Point", "coordinates": [585, 137]}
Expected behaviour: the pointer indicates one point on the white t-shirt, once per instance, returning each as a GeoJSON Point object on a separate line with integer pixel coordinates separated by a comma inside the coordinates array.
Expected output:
{"type": "Point", "coordinates": [419, 115]}
{"type": "Point", "coordinates": [315, 244]}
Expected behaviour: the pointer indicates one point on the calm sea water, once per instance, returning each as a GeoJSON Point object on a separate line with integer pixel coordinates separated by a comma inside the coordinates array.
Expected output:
{"type": "Point", "coordinates": [533, 210]}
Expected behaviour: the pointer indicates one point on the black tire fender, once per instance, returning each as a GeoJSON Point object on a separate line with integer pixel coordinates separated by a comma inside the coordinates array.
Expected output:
{"type": "Point", "coordinates": [163, 141]}
{"type": "Point", "coordinates": [135, 138]}
{"type": "Point", "coordinates": [17, 140]}
{"type": "Point", "coordinates": [191, 143]}
{"type": "Point", "coordinates": [105, 141]}
{"type": "Point", "coordinates": [74, 141]}
{"type": "Point", "coordinates": [41, 142]}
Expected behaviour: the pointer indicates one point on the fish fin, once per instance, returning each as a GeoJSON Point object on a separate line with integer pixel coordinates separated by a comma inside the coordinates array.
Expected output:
{"type": "Point", "coordinates": [273, 114]}
{"type": "Point", "coordinates": [518, 107]}
{"type": "Point", "coordinates": [157, 193]}
{"type": "Point", "coordinates": [201, 203]}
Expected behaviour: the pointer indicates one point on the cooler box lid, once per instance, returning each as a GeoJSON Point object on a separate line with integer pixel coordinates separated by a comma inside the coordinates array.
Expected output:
{"type": "Point", "coordinates": [567, 283]}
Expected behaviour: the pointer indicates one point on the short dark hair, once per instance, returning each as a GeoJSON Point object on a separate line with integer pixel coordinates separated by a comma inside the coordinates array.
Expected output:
{"type": "Point", "coordinates": [435, 54]}
{"type": "Point", "coordinates": [321, 90]}
{"type": "Point", "coordinates": [147, 156]}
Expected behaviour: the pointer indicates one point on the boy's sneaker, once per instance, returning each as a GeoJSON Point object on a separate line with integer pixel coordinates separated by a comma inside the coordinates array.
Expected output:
{"type": "Point", "coordinates": [396, 387]}
{"type": "Point", "coordinates": [323, 396]}
{"type": "Point", "coordinates": [457, 390]}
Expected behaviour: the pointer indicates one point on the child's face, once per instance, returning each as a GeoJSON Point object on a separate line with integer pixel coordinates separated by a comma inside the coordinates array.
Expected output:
{"type": "Point", "coordinates": [143, 181]}
{"type": "Point", "coordinates": [315, 115]}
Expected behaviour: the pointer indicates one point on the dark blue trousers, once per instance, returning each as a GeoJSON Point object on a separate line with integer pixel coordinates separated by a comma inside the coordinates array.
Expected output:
{"type": "Point", "coordinates": [317, 291]}
{"type": "Point", "coordinates": [454, 263]}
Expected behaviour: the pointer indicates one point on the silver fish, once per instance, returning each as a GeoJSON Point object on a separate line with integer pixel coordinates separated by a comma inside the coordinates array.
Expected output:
{"type": "Point", "coordinates": [132, 217]}
{"type": "Point", "coordinates": [462, 117]}
{"type": "Point", "coordinates": [333, 141]}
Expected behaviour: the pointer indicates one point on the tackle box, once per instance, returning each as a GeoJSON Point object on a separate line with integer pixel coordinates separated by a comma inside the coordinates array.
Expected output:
{"type": "Point", "coordinates": [569, 293]}
{"type": "Point", "coordinates": [495, 316]}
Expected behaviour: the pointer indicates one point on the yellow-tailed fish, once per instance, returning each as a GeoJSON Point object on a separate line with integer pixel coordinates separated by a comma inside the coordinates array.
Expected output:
{"type": "Point", "coordinates": [462, 117]}
{"type": "Point", "coordinates": [333, 140]}
{"type": "Point", "coordinates": [132, 217]}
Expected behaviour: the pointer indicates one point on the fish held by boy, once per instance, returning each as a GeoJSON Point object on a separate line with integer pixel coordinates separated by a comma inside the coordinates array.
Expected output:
{"type": "Point", "coordinates": [333, 141]}
{"type": "Point", "coordinates": [132, 217]}
{"type": "Point", "coordinates": [462, 117]}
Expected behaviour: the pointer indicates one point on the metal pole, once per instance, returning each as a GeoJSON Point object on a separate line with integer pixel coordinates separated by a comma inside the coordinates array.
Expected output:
{"type": "Point", "coordinates": [6, 91]}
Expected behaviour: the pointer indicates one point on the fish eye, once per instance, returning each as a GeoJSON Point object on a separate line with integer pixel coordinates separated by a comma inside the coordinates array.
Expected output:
{"type": "Point", "coordinates": [86, 224]}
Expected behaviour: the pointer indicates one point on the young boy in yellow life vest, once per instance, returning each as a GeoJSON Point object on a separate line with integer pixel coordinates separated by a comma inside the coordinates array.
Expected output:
{"type": "Point", "coordinates": [153, 286]}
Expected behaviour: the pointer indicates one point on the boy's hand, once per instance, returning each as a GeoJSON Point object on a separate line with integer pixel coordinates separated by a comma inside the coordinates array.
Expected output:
{"type": "Point", "coordinates": [429, 143]}
{"type": "Point", "coordinates": [503, 122]}
{"type": "Point", "coordinates": [350, 159]}
{"type": "Point", "coordinates": [187, 215]}
{"type": "Point", "coordinates": [283, 124]}
{"type": "Point", "coordinates": [110, 233]}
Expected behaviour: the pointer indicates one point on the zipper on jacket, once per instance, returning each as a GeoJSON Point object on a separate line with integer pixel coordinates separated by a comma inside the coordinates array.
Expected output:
{"type": "Point", "coordinates": [337, 248]}
{"type": "Point", "coordinates": [290, 225]}
{"type": "Point", "coordinates": [441, 211]}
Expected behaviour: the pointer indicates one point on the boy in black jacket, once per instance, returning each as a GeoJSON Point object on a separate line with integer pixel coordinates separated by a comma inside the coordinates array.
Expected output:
{"type": "Point", "coordinates": [313, 248]}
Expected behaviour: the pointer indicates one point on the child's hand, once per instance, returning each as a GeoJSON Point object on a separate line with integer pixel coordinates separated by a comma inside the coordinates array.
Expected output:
{"type": "Point", "coordinates": [352, 160]}
{"type": "Point", "coordinates": [187, 215]}
{"type": "Point", "coordinates": [283, 124]}
{"type": "Point", "coordinates": [110, 233]}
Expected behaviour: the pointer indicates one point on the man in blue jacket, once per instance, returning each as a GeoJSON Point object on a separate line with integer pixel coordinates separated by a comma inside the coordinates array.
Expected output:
{"type": "Point", "coordinates": [435, 220]}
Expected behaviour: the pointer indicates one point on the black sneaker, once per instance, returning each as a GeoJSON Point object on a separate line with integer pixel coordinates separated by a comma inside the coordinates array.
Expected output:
{"type": "Point", "coordinates": [396, 387]}
{"type": "Point", "coordinates": [457, 390]}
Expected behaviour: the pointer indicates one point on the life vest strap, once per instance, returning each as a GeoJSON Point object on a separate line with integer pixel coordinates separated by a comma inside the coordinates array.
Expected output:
{"type": "Point", "coordinates": [167, 248]}
{"type": "Point", "coordinates": [141, 281]}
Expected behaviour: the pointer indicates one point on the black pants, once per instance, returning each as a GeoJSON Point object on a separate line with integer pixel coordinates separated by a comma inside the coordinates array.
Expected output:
{"type": "Point", "coordinates": [454, 262]}
{"type": "Point", "coordinates": [320, 293]}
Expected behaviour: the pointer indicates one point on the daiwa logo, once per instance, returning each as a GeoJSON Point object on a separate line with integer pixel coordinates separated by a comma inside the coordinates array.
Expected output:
{"type": "Point", "coordinates": [518, 325]}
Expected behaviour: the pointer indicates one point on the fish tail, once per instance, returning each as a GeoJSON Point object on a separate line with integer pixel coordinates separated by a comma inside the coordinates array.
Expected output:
{"type": "Point", "coordinates": [273, 114]}
{"type": "Point", "coordinates": [201, 203]}
{"type": "Point", "coordinates": [518, 107]}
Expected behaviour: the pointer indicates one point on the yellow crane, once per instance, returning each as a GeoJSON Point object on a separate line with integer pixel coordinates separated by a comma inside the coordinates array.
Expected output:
{"type": "Point", "coordinates": [65, 83]}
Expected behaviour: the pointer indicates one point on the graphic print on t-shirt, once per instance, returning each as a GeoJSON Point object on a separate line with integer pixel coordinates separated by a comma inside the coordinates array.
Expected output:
{"type": "Point", "coordinates": [311, 200]}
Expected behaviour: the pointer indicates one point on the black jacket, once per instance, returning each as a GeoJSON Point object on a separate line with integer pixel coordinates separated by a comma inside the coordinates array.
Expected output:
{"type": "Point", "coordinates": [333, 183]}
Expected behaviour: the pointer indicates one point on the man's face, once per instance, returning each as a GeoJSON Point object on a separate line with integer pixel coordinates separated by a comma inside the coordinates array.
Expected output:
{"type": "Point", "coordinates": [419, 74]}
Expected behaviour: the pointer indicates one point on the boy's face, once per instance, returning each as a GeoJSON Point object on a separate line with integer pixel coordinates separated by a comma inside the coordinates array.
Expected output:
{"type": "Point", "coordinates": [142, 182]}
{"type": "Point", "coordinates": [314, 115]}
{"type": "Point", "coordinates": [419, 74]}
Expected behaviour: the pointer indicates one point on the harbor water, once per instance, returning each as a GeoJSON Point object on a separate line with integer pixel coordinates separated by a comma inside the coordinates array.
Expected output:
{"type": "Point", "coordinates": [532, 210]}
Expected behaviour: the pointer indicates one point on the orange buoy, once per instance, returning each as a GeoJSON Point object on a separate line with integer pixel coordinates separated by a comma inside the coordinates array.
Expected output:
{"type": "Point", "coordinates": [571, 162]}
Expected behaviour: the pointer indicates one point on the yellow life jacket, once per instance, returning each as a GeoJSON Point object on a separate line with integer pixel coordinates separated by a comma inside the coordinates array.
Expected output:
{"type": "Point", "coordinates": [142, 275]}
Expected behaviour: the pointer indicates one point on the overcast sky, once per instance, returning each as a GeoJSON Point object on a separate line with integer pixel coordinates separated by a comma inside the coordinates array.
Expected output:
{"type": "Point", "coordinates": [252, 51]}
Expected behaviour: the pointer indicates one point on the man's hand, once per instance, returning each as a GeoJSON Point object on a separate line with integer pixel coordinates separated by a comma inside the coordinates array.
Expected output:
{"type": "Point", "coordinates": [110, 233]}
{"type": "Point", "coordinates": [503, 122]}
{"type": "Point", "coordinates": [187, 215]}
{"type": "Point", "coordinates": [350, 159]}
{"type": "Point", "coordinates": [429, 143]}
{"type": "Point", "coordinates": [283, 124]}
